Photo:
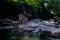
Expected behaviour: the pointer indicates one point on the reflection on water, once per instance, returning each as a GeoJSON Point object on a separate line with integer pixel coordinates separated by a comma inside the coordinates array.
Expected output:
{"type": "Point", "coordinates": [23, 36]}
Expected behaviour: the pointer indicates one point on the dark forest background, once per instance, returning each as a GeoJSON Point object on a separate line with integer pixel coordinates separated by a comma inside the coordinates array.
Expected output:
{"type": "Point", "coordinates": [44, 9]}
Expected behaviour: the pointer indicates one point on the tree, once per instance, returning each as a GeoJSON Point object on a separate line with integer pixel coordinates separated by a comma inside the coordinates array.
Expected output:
{"type": "Point", "coordinates": [51, 7]}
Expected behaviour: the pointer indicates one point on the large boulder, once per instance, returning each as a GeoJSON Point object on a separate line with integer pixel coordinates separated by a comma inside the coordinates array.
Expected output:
{"type": "Point", "coordinates": [56, 33]}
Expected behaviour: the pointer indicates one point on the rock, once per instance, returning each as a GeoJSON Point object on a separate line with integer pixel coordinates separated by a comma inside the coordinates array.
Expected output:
{"type": "Point", "coordinates": [56, 33]}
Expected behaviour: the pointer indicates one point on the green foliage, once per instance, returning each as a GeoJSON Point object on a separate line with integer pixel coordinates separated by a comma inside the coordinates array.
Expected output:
{"type": "Point", "coordinates": [52, 5]}
{"type": "Point", "coordinates": [34, 5]}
